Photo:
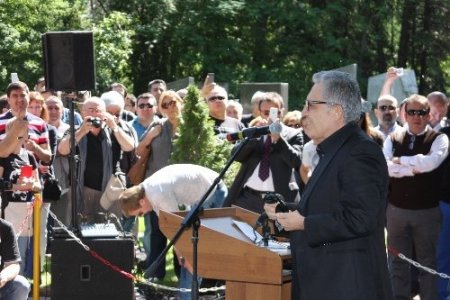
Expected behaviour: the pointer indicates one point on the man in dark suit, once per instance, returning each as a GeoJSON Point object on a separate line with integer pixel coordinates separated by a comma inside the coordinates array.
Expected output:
{"type": "Point", "coordinates": [337, 229]}
{"type": "Point", "coordinates": [278, 153]}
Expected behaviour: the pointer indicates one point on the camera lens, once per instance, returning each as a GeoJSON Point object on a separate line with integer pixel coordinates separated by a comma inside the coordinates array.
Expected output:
{"type": "Point", "coordinates": [96, 122]}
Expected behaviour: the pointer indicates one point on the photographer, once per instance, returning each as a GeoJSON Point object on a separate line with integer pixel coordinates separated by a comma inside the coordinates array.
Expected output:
{"type": "Point", "coordinates": [97, 139]}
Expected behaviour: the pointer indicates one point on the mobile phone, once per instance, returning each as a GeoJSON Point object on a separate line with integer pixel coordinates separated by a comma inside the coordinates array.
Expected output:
{"type": "Point", "coordinates": [210, 78]}
{"type": "Point", "coordinates": [399, 71]}
{"type": "Point", "coordinates": [273, 114]}
{"type": "Point", "coordinates": [14, 77]}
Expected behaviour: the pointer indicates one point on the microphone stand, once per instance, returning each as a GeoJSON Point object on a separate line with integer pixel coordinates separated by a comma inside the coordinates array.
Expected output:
{"type": "Point", "coordinates": [73, 167]}
{"type": "Point", "coordinates": [192, 219]}
{"type": "Point", "coordinates": [266, 232]}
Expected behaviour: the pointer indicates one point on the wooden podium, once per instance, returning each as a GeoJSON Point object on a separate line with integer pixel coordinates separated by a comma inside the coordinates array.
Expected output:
{"type": "Point", "coordinates": [225, 253]}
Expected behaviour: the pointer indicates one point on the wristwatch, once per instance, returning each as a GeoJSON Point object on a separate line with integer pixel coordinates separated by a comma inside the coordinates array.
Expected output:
{"type": "Point", "coordinates": [116, 129]}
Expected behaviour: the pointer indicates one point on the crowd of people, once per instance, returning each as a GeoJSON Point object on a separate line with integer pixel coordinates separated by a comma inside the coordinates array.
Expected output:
{"type": "Point", "coordinates": [345, 181]}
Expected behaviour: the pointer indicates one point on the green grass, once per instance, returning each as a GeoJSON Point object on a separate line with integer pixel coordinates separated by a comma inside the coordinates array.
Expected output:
{"type": "Point", "coordinates": [170, 279]}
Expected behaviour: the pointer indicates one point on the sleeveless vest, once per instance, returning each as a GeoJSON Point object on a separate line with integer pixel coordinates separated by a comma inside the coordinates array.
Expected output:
{"type": "Point", "coordinates": [420, 191]}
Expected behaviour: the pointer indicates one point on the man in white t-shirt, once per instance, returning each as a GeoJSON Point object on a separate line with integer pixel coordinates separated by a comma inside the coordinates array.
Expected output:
{"type": "Point", "coordinates": [170, 188]}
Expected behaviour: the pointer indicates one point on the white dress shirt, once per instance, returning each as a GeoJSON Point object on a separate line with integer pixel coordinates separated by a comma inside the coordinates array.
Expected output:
{"type": "Point", "coordinates": [419, 163]}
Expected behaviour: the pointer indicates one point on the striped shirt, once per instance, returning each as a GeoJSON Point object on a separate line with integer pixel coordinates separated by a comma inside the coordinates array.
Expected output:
{"type": "Point", "coordinates": [37, 128]}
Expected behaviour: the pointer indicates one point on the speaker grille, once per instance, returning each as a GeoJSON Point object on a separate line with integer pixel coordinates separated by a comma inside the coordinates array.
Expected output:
{"type": "Point", "coordinates": [69, 61]}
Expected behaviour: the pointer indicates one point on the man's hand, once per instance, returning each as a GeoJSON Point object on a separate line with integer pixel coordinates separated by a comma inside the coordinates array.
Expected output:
{"type": "Point", "coordinates": [270, 210]}
{"type": "Point", "coordinates": [30, 145]}
{"type": "Point", "coordinates": [3, 281]}
{"type": "Point", "coordinates": [396, 160]}
{"type": "Point", "coordinates": [86, 126]}
{"type": "Point", "coordinates": [18, 128]}
{"type": "Point", "coordinates": [110, 120]}
{"type": "Point", "coordinates": [391, 74]}
{"type": "Point", "coordinates": [291, 221]}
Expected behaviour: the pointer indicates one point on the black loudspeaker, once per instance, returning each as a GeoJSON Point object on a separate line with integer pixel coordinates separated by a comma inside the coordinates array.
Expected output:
{"type": "Point", "coordinates": [76, 274]}
{"type": "Point", "coordinates": [69, 61]}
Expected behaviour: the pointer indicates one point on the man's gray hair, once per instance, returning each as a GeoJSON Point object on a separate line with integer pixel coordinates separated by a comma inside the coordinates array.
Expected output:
{"type": "Point", "coordinates": [113, 98]}
{"type": "Point", "coordinates": [341, 89]}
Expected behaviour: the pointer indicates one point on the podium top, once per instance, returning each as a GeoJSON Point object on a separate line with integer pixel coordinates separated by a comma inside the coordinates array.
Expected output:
{"type": "Point", "coordinates": [224, 252]}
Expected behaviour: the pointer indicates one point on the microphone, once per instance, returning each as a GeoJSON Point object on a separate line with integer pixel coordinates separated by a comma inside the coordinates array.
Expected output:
{"type": "Point", "coordinates": [255, 132]}
{"type": "Point", "coordinates": [261, 220]}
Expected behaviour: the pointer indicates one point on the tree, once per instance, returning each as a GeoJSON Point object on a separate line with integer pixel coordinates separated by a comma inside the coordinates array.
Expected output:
{"type": "Point", "coordinates": [23, 23]}
{"type": "Point", "coordinates": [197, 143]}
{"type": "Point", "coordinates": [113, 39]}
{"type": "Point", "coordinates": [425, 42]}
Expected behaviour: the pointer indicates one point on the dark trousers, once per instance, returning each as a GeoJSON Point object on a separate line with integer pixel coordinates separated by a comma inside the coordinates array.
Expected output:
{"type": "Point", "coordinates": [157, 244]}
{"type": "Point", "coordinates": [250, 200]}
{"type": "Point", "coordinates": [418, 229]}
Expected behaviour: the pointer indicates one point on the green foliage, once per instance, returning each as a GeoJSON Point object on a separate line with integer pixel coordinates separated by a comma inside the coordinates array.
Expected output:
{"type": "Point", "coordinates": [238, 40]}
{"type": "Point", "coordinates": [113, 39]}
{"type": "Point", "coordinates": [23, 23]}
{"type": "Point", "coordinates": [197, 143]}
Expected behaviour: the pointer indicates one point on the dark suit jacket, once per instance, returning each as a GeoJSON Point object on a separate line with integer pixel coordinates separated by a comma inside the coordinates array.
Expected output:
{"type": "Point", "coordinates": [341, 252]}
{"type": "Point", "coordinates": [284, 156]}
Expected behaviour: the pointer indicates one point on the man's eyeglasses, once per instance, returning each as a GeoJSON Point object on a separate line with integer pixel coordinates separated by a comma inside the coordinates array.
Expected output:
{"type": "Point", "coordinates": [417, 112]}
{"type": "Point", "coordinates": [386, 107]}
{"type": "Point", "coordinates": [311, 103]}
{"type": "Point", "coordinates": [144, 105]}
{"type": "Point", "coordinates": [214, 98]}
{"type": "Point", "coordinates": [166, 105]}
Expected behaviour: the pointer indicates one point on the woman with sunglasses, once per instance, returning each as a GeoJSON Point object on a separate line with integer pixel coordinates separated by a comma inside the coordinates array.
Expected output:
{"type": "Point", "coordinates": [159, 139]}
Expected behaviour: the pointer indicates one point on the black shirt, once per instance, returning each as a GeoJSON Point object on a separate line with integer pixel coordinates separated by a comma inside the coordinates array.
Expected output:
{"type": "Point", "coordinates": [93, 173]}
{"type": "Point", "coordinates": [9, 251]}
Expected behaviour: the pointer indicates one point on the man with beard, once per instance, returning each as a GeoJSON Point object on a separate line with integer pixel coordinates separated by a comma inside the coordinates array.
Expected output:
{"type": "Point", "coordinates": [387, 106]}
{"type": "Point", "coordinates": [386, 113]}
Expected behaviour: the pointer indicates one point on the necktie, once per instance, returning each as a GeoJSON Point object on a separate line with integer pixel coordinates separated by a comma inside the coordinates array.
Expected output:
{"type": "Point", "coordinates": [264, 166]}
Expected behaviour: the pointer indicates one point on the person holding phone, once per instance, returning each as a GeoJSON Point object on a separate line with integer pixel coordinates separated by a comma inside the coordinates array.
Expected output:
{"type": "Point", "coordinates": [267, 163]}
{"type": "Point", "coordinates": [19, 169]}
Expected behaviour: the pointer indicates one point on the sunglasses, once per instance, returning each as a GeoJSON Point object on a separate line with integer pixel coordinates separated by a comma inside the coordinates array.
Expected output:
{"type": "Point", "coordinates": [166, 105]}
{"type": "Point", "coordinates": [143, 105]}
{"type": "Point", "coordinates": [417, 112]}
{"type": "Point", "coordinates": [214, 98]}
{"type": "Point", "coordinates": [386, 107]}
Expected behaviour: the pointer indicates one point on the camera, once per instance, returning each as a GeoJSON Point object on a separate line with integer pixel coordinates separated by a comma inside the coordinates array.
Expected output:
{"type": "Point", "coordinates": [96, 122]}
{"type": "Point", "coordinates": [272, 198]}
